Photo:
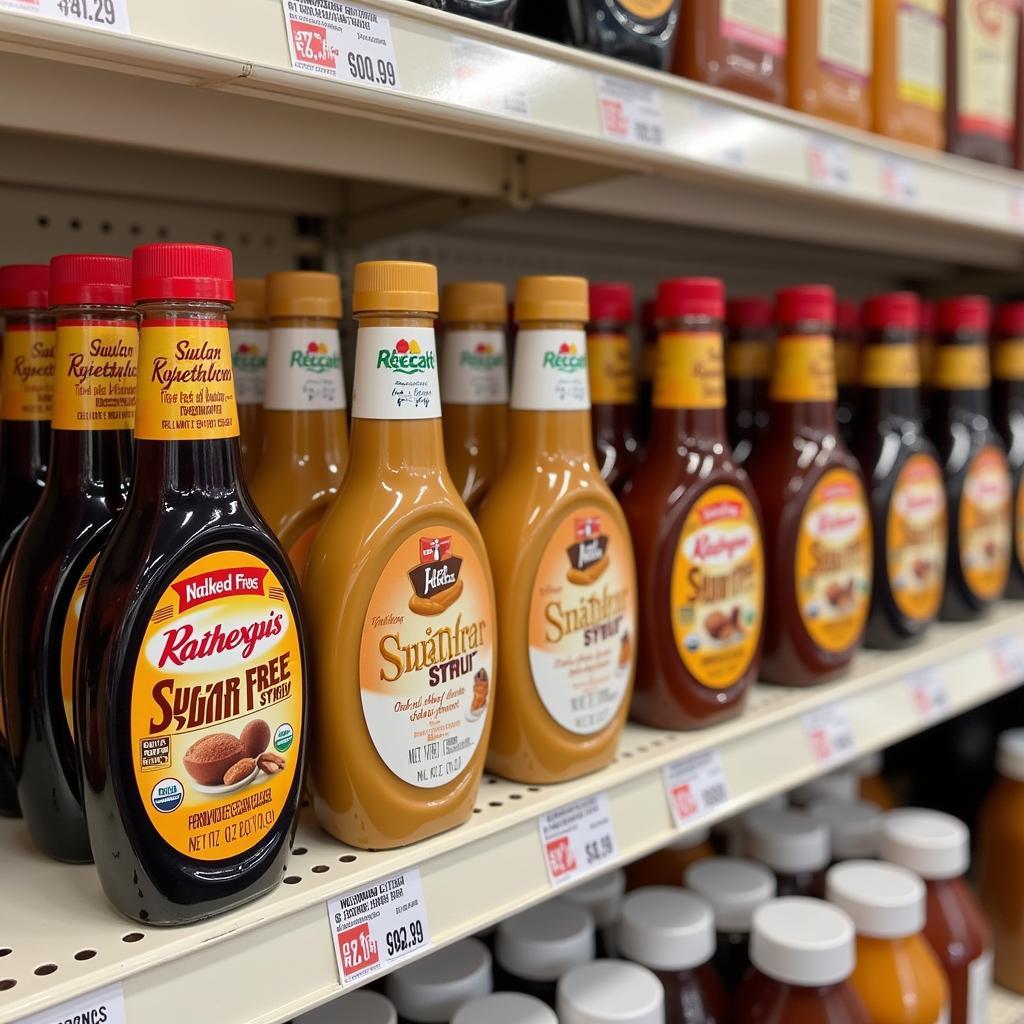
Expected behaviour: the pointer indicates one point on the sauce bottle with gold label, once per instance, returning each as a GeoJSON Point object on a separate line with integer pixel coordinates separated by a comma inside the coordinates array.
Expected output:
{"type": "Point", "coordinates": [748, 366]}
{"type": "Point", "coordinates": [86, 484]}
{"type": "Point", "coordinates": [905, 483]}
{"type": "Point", "coordinates": [26, 397]}
{"type": "Point", "coordinates": [973, 458]}
{"type": "Point", "coordinates": [562, 558]}
{"type": "Point", "coordinates": [474, 385]}
{"type": "Point", "coordinates": [248, 323]}
{"type": "Point", "coordinates": [612, 383]}
{"type": "Point", "coordinates": [190, 681]}
{"type": "Point", "coordinates": [847, 351]}
{"type": "Point", "coordinates": [648, 357]}
{"type": "Point", "coordinates": [399, 594]}
{"type": "Point", "coordinates": [305, 442]}
{"type": "Point", "coordinates": [1008, 419]}
{"type": "Point", "coordinates": [696, 529]}
{"type": "Point", "coordinates": [817, 525]}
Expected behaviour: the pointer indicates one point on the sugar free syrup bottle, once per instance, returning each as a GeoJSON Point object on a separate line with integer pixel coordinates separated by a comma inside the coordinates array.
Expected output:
{"type": "Point", "coordinates": [1008, 419]}
{"type": "Point", "coordinates": [190, 682]}
{"type": "Point", "coordinates": [748, 368]}
{"type": "Point", "coordinates": [248, 324]}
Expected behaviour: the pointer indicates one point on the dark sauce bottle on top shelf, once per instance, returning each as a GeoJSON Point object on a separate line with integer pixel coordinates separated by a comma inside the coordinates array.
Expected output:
{"type": "Point", "coordinates": [748, 367]}
{"type": "Point", "coordinates": [496, 12]}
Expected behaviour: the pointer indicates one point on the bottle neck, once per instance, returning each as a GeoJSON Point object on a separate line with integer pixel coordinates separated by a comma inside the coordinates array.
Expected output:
{"type": "Point", "coordinates": [803, 384]}
{"type": "Point", "coordinates": [890, 376]}
{"type": "Point", "coordinates": [26, 382]}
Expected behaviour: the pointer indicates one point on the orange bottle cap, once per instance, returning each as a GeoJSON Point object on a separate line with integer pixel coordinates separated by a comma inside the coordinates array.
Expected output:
{"type": "Point", "coordinates": [250, 299]}
{"type": "Point", "coordinates": [303, 293]}
{"type": "Point", "coordinates": [466, 302]}
{"type": "Point", "coordinates": [395, 286]}
{"type": "Point", "coordinates": [553, 298]}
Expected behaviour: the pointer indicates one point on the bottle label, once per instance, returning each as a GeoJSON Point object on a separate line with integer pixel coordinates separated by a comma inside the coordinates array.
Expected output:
{"type": "Point", "coordinates": [426, 657]}
{"type": "Point", "coordinates": [759, 24]}
{"type": "Point", "coordinates": [846, 355]}
{"type": "Point", "coordinates": [610, 360]}
{"type": "Point", "coordinates": [718, 587]}
{"type": "Point", "coordinates": [890, 366]}
{"type": "Point", "coordinates": [987, 67]}
{"type": "Point", "coordinates": [691, 371]}
{"type": "Point", "coordinates": [986, 524]}
{"type": "Point", "coordinates": [1008, 359]}
{"type": "Point", "coordinates": [804, 369]}
{"type": "Point", "coordinates": [95, 374]}
{"type": "Point", "coordinates": [396, 374]}
{"type": "Point", "coordinates": [921, 53]}
{"type": "Point", "coordinates": [249, 359]}
{"type": "Point", "coordinates": [648, 360]}
{"type": "Point", "coordinates": [68, 640]}
{"type": "Point", "coordinates": [961, 367]}
{"type": "Point", "coordinates": [27, 375]}
{"type": "Point", "coordinates": [216, 707]}
{"type": "Point", "coordinates": [916, 538]}
{"type": "Point", "coordinates": [979, 988]}
{"type": "Point", "coordinates": [649, 10]}
{"type": "Point", "coordinates": [474, 368]}
{"type": "Point", "coordinates": [748, 360]}
{"type": "Point", "coordinates": [186, 387]}
{"type": "Point", "coordinates": [833, 561]}
{"type": "Point", "coordinates": [582, 625]}
{"type": "Point", "coordinates": [551, 371]}
{"type": "Point", "coordinates": [304, 370]}
{"type": "Point", "coordinates": [844, 37]}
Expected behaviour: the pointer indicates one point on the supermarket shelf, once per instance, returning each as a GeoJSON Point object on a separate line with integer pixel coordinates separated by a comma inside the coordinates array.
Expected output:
{"type": "Point", "coordinates": [1005, 1007]}
{"type": "Point", "coordinates": [261, 965]}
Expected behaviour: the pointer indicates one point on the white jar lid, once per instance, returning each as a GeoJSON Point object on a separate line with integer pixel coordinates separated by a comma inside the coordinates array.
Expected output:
{"type": "Point", "coordinates": [885, 901]}
{"type": "Point", "coordinates": [602, 897]}
{"type": "Point", "coordinates": [734, 887]}
{"type": "Point", "coordinates": [929, 843]}
{"type": "Point", "coordinates": [359, 1007]}
{"type": "Point", "coordinates": [691, 838]}
{"type": "Point", "coordinates": [787, 841]}
{"type": "Point", "coordinates": [854, 827]}
{"type": "Point", "coordinates": [1010, 754]}
{"type": "Point", "coordinates": [430, 990]}
{"type": "Point", "coordinates": [802, 941]}
{"type": "Point", "coordinates": [666, 929]}
{"type": "Point", "coordinates": [610, 992]}
{"type": "Point", "coordinates": [505, 1008]}
{"type": "Point", "coordinates": [841, 785]}
{"type": "Point", "coordinates": [544, 942]}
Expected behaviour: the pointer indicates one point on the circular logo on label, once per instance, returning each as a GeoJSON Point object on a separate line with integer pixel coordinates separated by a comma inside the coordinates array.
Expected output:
{"type": "Point", "coordinates": [426, 657]}
{"type": "Point", "coordinates": [916, 539]}
{"type": "Point", "coordinates": [582, 626]}
{"type": "Point", "coordinates": [167, 795]}
{"type": "Point", "coordinates": [986, 524]}
{"type": "Point", "coordinates": [718, 587]}
{"type": "Point", "coordinates": [833, 561]}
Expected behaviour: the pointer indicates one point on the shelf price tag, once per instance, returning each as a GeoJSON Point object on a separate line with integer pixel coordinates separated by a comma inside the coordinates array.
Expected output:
{"type": "Point", "coordinates": [630, 112]}
{"type": "Point", "coordinates": [578, 839]}
{"type": "Point", "coordinates": [899, 180]}
{"type": "Point", "coordinates": [830, 734]}
{"type": "Point", "coordinates": [828, 163]}
{"type": "Point", "coordinates": [695, 786]}
{"type": "Point", "coordinates": [349, 42]}
{"type": "Point", "coordinates": [1008, 659]}
{"type": "Point", "coordinates": [108, 15]}
{"type": "Point", "coordinates": [493, 78]}
{"type": "Point", "coordinates": [105, 1004]}
{"type": "Point", "coordinates": [928, 693]}
{"type": "Point", "coordinates": [378, 925]}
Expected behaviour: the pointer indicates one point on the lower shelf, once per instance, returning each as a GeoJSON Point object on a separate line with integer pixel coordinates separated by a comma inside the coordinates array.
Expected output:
{"type": "Point", "coordinates": [1005, 1007]}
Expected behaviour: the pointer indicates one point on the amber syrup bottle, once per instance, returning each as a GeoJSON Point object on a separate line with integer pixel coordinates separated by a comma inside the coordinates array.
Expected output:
{"type": "Point", "coordinates": [748, 368]}
{"type": "Point", "coordinates": [1008, 418]}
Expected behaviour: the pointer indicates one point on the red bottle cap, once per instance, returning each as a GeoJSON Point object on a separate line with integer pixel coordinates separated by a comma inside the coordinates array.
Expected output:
{"type": "Point", "coordinates": [611, 301]}
{"type": "Point", "coordinates": [806, 302]}
{"type": "Point", "coordinates": [894, 309]}
{"type": "Point", "coordinates": [927, 319]}
{"type": "Point", "coordinates": [847, 317]}
{"type": "Point", "coordinates": [80, 280]}
{"type": "Point", "coordinates": [964, 313]}
{"type": "Point", "coordinates": [24, 286]}
{"type": "Point", "coordinates": [748, 311]}
{"type": "Point", "coordinates": [1010, 320]}
{"type": "Point", "coordinates": [690, 296]}
{"type": "Point", "coordinates": [173, 270]}
{"type": "Point", "coordinates": [648, 315]}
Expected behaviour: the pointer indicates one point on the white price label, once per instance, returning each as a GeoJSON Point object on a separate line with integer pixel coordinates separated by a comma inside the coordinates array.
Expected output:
{"type": "Point", "coordinates": [378, 925]}
{"type": "Point", "coordinates": [493, 78]}
{"type": "Point", "coordinates": [720, 134]}
{"type": "Point", "coordinates": [695, 786]}
{"type": "Point", "coordinates": [346, 41]}
{"type": "Point", "coordinates": [577, 839]}
{"type": "Point", "coordinates": [108, 15]}
{"type": "Point", "coordinates": [1017, 206]}
{"type": "Point", "coordinates": [1008, 658]}
{"type": "Point", "coordinates": [105, 1004]}
{"type": "Point", "coordinates": [830, 734]}
{"type": "Point", "coordinates": [630, 111]}
{"type": "Point", "coordinates": [899, 180]}
{"type": "Point", "coordinates": [828, 163]}
{"type": "Point", "coordinates": [928, 693]}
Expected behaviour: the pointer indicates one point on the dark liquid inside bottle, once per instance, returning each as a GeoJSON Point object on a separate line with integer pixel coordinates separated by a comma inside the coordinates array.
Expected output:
{"type": "Point", "coordinates": [497, 12]}
{"type": "Point", "coordinates": [732, 958]}
{"type": "Point", "coordinates": [1008, 419]}
{"type": "Point", "coordinates": [763, 1000]}
{"type": "Point", "coordinates": [613, 398]}
{"type": "Point", "coordinates": [694, 996]}
{"type": "Point", "coordinates": [747, 373]}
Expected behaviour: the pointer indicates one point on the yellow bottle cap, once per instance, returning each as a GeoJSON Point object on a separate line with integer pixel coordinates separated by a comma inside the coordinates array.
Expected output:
{"type": "Point", "coordinates": [303, 293]}
{"type": "Point", "coordinates": [394, 286]}
{"type": "Point", "coordinates": [553, 298]}
{"type": "Point", "coordinates": [465, 302]}
{"type": "Point", "coordinates": [250, 299]}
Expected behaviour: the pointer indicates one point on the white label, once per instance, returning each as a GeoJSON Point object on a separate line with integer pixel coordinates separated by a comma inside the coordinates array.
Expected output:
{"type": "Point", "coordinates": [844, 36]}
{"type": "Point", "coordinates": [829, 734]}
{"type": "Point", "coordinates": [378, 925]}
{"type": "Point", "coordinates": [928, 693]}
{"type": "Point", "coordinates": [493, 78]}
{"type": "Point", "coordinates": [396, 374]}
{"type": "Point", "coordinates": [551, 371]}
{"type": "Point", "coordinates": [921, 54]}
{"type": "Point", "coordinates": [986, 66]}
{"type": "Point", "coordinates": [108, 15]}
{"type": "Point", "coordinates": [899, 180]}
{"type": "Point", "coordinates": [249, 362]}
{"type": "Point", "coordinates": [720, 133]}
{"type": "Point", "coordinates": [979, 986]}
{"type": "Point", "coordinates": [577, 840]}
{"type": "Point", "coordinates": [105, 1004]}
{"type": "Point", "coordinates": [759, 24]}
{"type": "Point", "coordinates": [346, 41]}
{"type": "Point", "coordinates": [304, 369]}
{"type": "Point", "coordinates": [474, 370]}
{"type": "Point", "coordinates": [630, 111]}
{"type": "Point", "coordinates": [829, 162]}
{"type": "Point", "coordinates": [1008, 659]}
{"type": "Point", "coordinates": [695, 786]}
{"type": "Point", "coordinates": [1016, 200]}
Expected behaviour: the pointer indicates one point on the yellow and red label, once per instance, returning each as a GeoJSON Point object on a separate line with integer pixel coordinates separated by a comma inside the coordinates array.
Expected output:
{"type": "Point", "coordinates": [426, 657]}
{"type": "Point", "coordinates": [582, 620]}
{"type": "Point", "coordinates": [890, 366]}
{"type": "Point", "coordinates": [916, 539]}
{"type": "Point", "coordinates": [748, 360]}
{"type": "Point", "coordinates": [833, 562]}
{"type": "Point", "coordinates": [986, 524]}
{"type": "Point", "coordinates": [95, 375]}
{"type": "Point", "coordinates": [216, 710]}
{"type": "Point", "coordinates": [69, 639]}
{"type": "Point", "coordinates": [610, 364]}
{"type": "Point", "coordinates": [690, 372]}
{"type": "Point", "coordinates": [1008, 359]}
{"type": "Point", "coordinates": [847, 357]}
{"type": "Point", "coordinates": [804, 369]}
{"type": "Point", "coordinates": [26, 381]}
{"type": "Point", "coordinates": [718, 587]}
{"type": "Point", "coordinates": [186, 389]}
{"type": "Point", "coordinates": [961, 367]}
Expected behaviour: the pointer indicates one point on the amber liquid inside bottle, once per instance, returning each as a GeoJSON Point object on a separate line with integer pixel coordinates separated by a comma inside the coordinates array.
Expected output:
{"type": "Point", "coordinates": [613, 397]}
{"type": "Point", "coordinates": [1008, 419]}
{"type": "Point", "coordinates": [763, 1000]}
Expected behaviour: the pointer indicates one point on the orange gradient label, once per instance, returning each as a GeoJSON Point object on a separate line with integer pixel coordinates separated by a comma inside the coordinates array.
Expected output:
{"type": "Point", "coordinates": [961, 367]}
{"type": "Point", "coordinates": [1008, 359]}
{"type": "Point", "coordinates": [94, 381]}
{"type": "Point", "coordinates": [27, 376]}
{"type": "Point", "coordinates": [804, 369]}
{"type": "Point", "coordinates": [690, 373]}
{"type": "Point", "coordinates": [610, 364]}
{"type": "Point", "coordinates": [986, 524]}
{"type": "Point", "coordinates": [891, 366]}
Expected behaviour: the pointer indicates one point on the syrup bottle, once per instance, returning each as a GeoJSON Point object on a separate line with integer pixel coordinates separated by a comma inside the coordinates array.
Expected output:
{"type": "Point", "coordinates": [847, 355]}
{"type": "Point", "coordinates": [648, 359]}
{"type": "Point", "coordinates": [193, 604]}
{"type": "Point", "coordinates": [1008, 419]}
{"type": "Point", "coordinates": [748, 366]}
{"type": "Point", "coordinates": [248, 324]}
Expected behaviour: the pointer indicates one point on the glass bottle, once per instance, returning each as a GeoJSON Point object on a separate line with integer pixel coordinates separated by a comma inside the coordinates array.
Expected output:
{"type": "Point", "coordinates": [748, 369]}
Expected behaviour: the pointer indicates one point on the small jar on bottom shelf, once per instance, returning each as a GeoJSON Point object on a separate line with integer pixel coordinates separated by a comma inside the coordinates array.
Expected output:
{"type": "Point", "coordinates": [794, 846]}
{"type": "Point", "coordinates": [505, 1008]}
{"type": "Point", "coordinates": [433, 988]}
{"type": "Point", "coordinates": [359, 1007]}
{"type": "Point", "coordinates": [602, 898]}
{"type": "Point", "coordinates": [854, 827]}
{"type": "Point", "coordinates": [610, 992]}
